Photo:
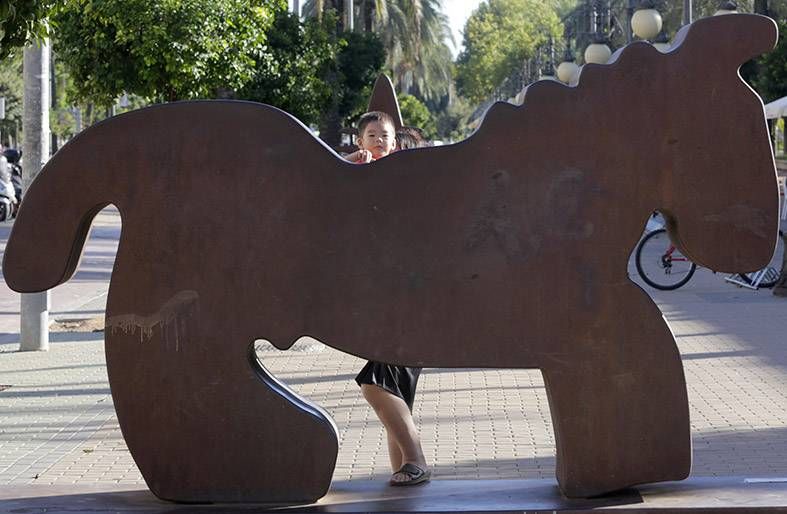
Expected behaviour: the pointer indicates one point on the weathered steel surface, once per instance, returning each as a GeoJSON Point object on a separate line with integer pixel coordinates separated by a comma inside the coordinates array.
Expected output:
{"type": "Point", "coordinates": [506, 250]}
{"type": "Point", "coordinates": [384, 99]}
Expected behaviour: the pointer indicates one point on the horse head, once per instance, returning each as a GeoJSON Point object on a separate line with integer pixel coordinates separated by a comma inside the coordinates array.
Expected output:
{"type": "Point", "coordinates": [712, 188]}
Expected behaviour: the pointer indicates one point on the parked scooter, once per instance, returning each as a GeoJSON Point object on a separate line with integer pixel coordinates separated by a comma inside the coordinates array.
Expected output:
{"type": "Point", "coordinates": [8, 195]}
{"type": "Point", "coordinates": [14, 158]}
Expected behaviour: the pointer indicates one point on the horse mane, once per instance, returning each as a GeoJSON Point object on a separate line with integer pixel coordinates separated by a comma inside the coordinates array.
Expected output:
{"type": "Point", "coordinates": [591, 77]}
{"type": "Point", "coordinates": [760, 32]}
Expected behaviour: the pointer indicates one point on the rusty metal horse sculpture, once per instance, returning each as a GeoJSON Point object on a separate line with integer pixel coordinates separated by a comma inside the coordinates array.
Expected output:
{"type": "Point", "coordinates": [508, 249]}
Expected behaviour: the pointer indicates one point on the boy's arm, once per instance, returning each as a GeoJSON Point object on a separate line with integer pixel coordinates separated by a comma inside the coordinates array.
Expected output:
{"type": "Point", "coordinates": [359, 157]}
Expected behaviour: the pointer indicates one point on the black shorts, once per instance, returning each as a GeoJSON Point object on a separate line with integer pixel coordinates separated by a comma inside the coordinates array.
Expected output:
{"type": "Point", "coordinates": [398, 380]}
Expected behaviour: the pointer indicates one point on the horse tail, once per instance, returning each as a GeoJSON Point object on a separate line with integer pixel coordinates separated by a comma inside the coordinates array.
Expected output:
{"type": "Point", "coordinates": [58, 208]}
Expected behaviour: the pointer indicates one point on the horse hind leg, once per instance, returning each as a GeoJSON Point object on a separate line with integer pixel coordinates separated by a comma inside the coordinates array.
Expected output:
{"type": "Point", "coordinates": [206, 423]}
{"type": "Point", "coordinates": [621, 416]}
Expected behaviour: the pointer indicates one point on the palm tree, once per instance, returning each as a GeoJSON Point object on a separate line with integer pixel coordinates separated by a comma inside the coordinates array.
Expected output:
{"type": "Point", "coordinates": [414, 33]}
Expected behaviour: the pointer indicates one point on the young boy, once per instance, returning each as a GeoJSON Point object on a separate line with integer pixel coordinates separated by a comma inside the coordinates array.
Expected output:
{"type": "Point", "coordinates": [376, 137]}
{"type": "Point", "coordinates": [389, 389]}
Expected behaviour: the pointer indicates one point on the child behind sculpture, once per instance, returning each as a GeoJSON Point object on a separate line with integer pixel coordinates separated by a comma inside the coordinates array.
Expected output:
{"type": "Point", "coordinates": [376, 137]}
{"type": "Point", "coordinates": [390, 389]}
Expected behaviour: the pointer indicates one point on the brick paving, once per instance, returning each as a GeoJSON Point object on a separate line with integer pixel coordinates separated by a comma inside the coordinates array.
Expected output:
{"type": "Point", "coordinates": [58, 426]}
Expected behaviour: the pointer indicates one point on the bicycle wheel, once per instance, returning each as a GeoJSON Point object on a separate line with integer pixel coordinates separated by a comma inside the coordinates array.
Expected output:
{"type": "Point", "coordinates": [771, 271]}
{"type": "Point", "coordinates": [660, 264]}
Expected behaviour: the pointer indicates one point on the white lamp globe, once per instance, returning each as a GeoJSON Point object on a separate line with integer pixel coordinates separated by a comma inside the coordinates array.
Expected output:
{"type": "Point", "coordinates": [646, 23]}
{"type": "Point", "coordinates": [597, 53]}
{"type": "Point", "coordinates": [566, 70]}
{"type": "Point", "coordinates": [575, 77]}
{"type": "Point", "coordinates": [662, 47]}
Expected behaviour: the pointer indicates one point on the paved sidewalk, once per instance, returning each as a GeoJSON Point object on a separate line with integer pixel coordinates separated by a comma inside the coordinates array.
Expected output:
{"type": "Point", "coordinates": [58, 427]}
{"type": "Point", "coordinates": [89, 283]}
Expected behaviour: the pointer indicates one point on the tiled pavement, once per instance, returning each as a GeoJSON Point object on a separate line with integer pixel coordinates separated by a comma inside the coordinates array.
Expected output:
{"type": "Point", "coordinates": [57, 423]}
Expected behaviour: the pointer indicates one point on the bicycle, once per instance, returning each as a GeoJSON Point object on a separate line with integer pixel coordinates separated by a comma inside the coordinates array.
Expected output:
{"type": "Point", "coordinates": [662, 266]}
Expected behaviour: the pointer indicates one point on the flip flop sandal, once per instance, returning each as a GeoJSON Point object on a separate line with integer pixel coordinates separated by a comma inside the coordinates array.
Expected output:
{"type": "Point", "coordinates": [415, 474]}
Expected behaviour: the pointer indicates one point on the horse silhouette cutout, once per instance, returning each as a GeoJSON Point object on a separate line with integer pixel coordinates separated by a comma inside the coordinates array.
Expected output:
{"type": "Point", "coordinates": [508, 249]}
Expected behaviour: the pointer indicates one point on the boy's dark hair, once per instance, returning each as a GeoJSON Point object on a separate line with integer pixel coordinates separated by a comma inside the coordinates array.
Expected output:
{"type": "Point", "coordinates": [410, 137]}
{"type": "Point", "coordinates": [366, 118]}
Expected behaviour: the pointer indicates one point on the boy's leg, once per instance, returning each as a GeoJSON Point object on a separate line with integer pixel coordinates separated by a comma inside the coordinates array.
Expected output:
{"type": "Point", "coordinates": [398, 421]}
{"type": "Point", "coordinates": [394, 453]}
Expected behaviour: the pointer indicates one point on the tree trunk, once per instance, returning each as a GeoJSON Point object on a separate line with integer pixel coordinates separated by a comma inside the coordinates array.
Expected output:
{"type": "Point", "coordinates": [349, 16]}
{"type": "Point", "coordinates": [367, 16]}
{"type": "Point", "coordinates": [331, 121]}
{"type": "Point", "coordinates": [34, 319]}
{"type": "Point", "coordinates": [88, 120]}
{"type": "Point", "coordinates": [330, 128]}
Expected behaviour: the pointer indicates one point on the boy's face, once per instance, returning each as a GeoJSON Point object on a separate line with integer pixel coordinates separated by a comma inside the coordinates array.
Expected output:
{"type": "Point", "coordinates": [379, 138]}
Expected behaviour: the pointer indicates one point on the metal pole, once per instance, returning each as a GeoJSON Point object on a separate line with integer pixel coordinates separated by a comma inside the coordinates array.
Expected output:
{"type": "Point", "coordinates": [34, 308]}
{"type": "Point", "coordinates": [53, 95]}
{"type": "Point", "coordinates": [629, 16]}
{"type": "Point", "coordinates": [348, 15]}
{"type": "Point", "coordinates": [2, 117]}
{"type": "Point", "coordinates": [687, 12]}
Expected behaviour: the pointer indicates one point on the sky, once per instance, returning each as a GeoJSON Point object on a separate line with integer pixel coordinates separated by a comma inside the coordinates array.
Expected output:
{"type": "Point", "coordinates": [458, 11]}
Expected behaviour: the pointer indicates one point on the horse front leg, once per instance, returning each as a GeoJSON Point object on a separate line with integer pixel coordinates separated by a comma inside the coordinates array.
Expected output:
{"type": "Point", "coordinates": [620, 408]}
{"type": "Point", "coordinates": [203, 420]}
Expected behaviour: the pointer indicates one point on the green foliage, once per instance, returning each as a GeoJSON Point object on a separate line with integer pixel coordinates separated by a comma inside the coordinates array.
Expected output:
{"type": "Point", "coordinates": [498, 37]}
{"type": "Point", "coordinates": [163, 50]}
{"type": "Point", "coordinates": [20, 22]}
{"type": "Point", "coordinates": [12, 88]}
{"type": "Point", "coordinates": [563, 7]}
{"type": "Point", "coordinates": [770, 80]}
{"type": "Point", "coordinates": [360, 61]}
{"type": "Point", "coordinates": [453, 119]}
{"type": "Point", "coordinates": [311, 71]}
{"type": "Point", "coordinates": [766, 74]}
{"type": "Point", "coordinates": [416, 114]}
{"type": "Point", "coordinates": [61, 113]}
{"type": "Point", "coordinates": [414, 34]}
{"type": "Point", "coordinates": [290, 73]}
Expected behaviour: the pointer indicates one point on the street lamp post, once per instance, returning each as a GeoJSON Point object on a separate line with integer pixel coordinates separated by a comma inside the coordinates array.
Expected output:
{"type": "Point", "coordinates": [629, 15]}
{"type": "Point", "coordinates": [598, 52]}
{"type": "Point", "coordinates": [687, 18]}
{"type": "Point", "coordinates": [548, 70]}
{"type": "Point", "coordinates": [567, 69]}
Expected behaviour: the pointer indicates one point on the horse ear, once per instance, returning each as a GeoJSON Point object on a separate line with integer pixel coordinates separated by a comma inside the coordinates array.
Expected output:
{"type": "Point", "coordinates": [733, 38]}
{"type": "Point", "coordinates": [384, 99]}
